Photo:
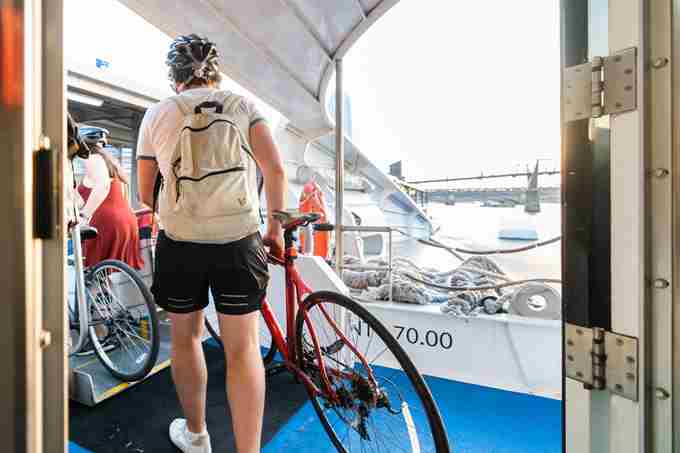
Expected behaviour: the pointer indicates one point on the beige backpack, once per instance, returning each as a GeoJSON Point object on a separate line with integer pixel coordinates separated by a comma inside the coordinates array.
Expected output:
{"type": "Point", "coordinates": [210, 193]}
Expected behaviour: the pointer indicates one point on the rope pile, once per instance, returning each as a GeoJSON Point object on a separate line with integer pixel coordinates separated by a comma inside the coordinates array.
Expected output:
{"type": "Point", "coordinates": [477, 286]}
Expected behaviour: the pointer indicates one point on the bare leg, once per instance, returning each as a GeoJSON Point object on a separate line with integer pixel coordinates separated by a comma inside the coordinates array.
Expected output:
{"type": "Point", "coordinates": [188, 367]}
{"type": "Point", "coordinates": [245, 378]}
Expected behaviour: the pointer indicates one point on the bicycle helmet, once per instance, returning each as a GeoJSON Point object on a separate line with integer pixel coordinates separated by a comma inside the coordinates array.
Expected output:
{"type": "Point", "coordinates": [76, 146]}
{"type": "Point", "coordinates": [192, 58]}
{"type": "Point", "coordinates": [94, 136]}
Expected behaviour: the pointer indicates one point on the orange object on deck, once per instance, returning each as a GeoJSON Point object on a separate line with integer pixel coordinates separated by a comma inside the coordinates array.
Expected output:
{"type": "Point", "coordinates": [312, 200]}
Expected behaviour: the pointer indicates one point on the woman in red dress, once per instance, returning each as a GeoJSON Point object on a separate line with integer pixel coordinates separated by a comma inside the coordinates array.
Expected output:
{"type": "Point", "coordinates": [106, 208]}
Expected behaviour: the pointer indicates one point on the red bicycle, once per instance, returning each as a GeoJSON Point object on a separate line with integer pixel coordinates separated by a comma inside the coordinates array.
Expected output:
{"type": "Point", "coordinates": [365, 389]}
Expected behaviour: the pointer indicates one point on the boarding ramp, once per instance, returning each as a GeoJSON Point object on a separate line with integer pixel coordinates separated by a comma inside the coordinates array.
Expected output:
{"type": "Point", "coordinates": [89, 381]}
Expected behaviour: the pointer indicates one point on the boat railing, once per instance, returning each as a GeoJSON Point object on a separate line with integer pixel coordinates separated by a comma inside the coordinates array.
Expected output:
{"type": "Point", "coordinates": [374, 267]}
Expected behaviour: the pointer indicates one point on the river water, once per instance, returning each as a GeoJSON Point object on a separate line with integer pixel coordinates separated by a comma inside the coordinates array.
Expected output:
{"type": "Point", "coordinates": [471, 226]}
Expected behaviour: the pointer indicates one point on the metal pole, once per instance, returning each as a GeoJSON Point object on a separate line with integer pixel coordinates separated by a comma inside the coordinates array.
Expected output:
{"type": "Point", "coordinates": [134, 189]}
{"type": "Point", "coordinates": [339, 167]}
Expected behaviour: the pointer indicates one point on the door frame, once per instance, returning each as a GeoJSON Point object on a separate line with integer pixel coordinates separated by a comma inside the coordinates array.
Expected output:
{"type": "Point", "coordinates": [661, 225]}
{"type": "Point", "coordinates": [20, 317]}
{"type": "Point", "coordinates": [598, 421]}
{"type": "Point", "coordinates": [674, 55]}
{"type": "Point", "coordinates": [33, 387]}
{"type": "Point", "coordinates": [53, 120]}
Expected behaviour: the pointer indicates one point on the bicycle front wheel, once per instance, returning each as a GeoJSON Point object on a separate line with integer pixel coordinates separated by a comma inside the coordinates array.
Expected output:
{"type": "Point", "coordinates": [124, 324]}
{"type": "Point", "coordinates": [378, 401]}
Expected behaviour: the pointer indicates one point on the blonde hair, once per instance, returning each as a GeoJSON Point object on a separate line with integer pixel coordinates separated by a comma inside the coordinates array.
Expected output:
{"type": "Point", "coordinates": [114, 168]}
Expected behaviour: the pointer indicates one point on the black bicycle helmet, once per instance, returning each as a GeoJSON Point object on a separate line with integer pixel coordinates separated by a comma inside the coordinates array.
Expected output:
{"type": "Point", "coordinates": [192, 57]}
{"type": "Point", "coordinates": [94, 136]}
{"type": "Point", "coordinates": [76, 146]}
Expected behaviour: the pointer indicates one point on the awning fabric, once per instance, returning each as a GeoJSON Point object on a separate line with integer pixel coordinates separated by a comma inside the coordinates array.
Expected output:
{"type": "Point", "coordinates": [283, 51]}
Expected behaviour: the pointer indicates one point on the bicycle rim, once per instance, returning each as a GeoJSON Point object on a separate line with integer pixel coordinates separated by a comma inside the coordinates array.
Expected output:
{"type": "Point", "coordinates": [267, 346]}
{"type": "Point", "coordinates": [124, 324]}
{"type": "Point", "coordinates": [391, 412]}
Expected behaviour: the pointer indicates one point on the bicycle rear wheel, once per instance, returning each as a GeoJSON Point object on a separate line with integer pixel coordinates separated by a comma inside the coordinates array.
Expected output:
{"type": "Point", "coordinates": [268, 353]}
{"type": "Point", "coordinates": [394, 411]}
{"type": "Point", "coordinates": [124, 324]}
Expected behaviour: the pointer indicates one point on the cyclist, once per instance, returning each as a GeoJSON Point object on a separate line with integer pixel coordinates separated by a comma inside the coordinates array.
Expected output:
{"type": "Point", "coordinates": [209, 234]}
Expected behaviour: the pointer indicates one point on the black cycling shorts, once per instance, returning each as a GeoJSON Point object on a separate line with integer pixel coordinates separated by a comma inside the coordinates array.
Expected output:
{"type": "Point", "coordinates": [236, 273]}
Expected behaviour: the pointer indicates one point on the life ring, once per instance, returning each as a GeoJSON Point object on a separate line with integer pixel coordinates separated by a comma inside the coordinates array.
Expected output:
{"type": "Point", "coordinates": [312, 200]}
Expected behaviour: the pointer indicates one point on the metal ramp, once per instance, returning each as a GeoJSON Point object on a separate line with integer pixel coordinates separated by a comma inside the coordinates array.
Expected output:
{"type": "Point", "coordinates": [90, 382]}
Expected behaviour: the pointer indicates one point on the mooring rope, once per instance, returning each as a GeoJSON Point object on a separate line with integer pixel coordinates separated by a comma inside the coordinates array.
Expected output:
{"type": "Point", "coordinates": [480, 288]}
{"type": "Point", "coordinates": [438, 244]}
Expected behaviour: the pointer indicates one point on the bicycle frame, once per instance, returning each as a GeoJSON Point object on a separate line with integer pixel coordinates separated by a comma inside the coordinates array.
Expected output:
{"type": "Point", "coordinates": [296, 289]}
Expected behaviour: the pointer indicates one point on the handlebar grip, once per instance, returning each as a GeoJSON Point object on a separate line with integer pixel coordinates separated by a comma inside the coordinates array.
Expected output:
{"type": "Point", "coordinates": [324, 227]}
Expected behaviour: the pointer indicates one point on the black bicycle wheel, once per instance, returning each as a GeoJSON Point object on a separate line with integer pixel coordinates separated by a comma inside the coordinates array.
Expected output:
{"type": "Point", "coordinates": [394, 411]}
{"type": "Point", "coordinates": [124, 324]}
{"type": "Point", "coordinates": [268, 353]}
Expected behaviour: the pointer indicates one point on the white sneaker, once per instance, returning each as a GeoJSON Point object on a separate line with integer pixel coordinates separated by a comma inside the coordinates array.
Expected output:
{"type": "Point", "coordinates": [187, 441]}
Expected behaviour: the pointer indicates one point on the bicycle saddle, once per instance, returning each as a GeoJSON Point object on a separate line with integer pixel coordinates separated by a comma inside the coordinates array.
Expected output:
{"type": "Point", "coordinates": [88, 232]}
{"type": "Point", "coordinates": [293, 219]}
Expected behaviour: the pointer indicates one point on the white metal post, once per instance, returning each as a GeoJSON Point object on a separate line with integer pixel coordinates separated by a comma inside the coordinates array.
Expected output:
{"type": "Point", "coordinates": [628, 420]}
{"type": "Point", "coordinates": [339, 166]}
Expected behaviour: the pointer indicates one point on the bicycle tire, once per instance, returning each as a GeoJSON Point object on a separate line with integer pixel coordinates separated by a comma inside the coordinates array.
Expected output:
{"type": "Point", "coordinates": [149, 360]}
{"type": "Point", "coordinates": [267, 358]}
{"type": "Point", "coordinates": [440, 443]}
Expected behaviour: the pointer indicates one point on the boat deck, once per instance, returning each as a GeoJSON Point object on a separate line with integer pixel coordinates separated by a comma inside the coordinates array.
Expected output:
{"type": "Point", "coordinates": [478, 419]}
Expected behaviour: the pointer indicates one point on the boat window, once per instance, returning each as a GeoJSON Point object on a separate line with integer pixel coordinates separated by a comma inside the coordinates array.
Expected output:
{"type": "Point", "coordinates": [399, 204]}
{"type": "Point", "coordinates": [326, 176]}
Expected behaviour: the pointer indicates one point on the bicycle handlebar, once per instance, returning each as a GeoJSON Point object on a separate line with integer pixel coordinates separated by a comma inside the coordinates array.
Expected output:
{"type": "Point", "coordinates": [324, 227]}
{"type": "Point", "coordinates": [275, 260]}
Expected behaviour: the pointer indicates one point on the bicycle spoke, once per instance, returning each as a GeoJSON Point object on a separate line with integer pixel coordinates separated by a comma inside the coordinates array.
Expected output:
{"type": "Point", "coordinates": [120, 306]}
{"type": "Point", "coordinates": [391, 415]}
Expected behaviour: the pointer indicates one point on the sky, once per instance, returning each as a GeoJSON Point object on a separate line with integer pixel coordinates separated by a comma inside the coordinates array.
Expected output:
{"type": "Point", "coordinates": [451, 88]}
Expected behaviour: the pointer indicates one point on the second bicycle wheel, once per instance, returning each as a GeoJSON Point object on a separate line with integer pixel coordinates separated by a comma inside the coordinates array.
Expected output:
{"type": "Point", "coordinates": [124, 324]}
{"type": "Point", "coordinates": [381, 402]}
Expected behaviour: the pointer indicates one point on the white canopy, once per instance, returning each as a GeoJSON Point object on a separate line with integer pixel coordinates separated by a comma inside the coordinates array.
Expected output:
{"type": "Point", "coordinates": [281, 50]}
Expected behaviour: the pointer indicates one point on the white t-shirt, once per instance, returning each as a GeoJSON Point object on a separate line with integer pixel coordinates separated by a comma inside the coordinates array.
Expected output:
{"type": "Point", "coordinates": [162, 124]}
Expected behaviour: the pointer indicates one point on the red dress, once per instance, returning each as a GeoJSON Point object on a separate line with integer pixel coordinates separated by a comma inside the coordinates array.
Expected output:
{"type": "Point", "coordinates": [116, 223]}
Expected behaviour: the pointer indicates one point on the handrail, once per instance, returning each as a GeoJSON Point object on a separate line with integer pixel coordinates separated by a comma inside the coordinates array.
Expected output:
{"type": "Point", "coordinates": [389, 268]}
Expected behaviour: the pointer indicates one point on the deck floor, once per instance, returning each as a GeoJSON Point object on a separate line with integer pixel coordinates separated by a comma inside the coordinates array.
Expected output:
{"type": "Point", "coordinates": [478, 419]}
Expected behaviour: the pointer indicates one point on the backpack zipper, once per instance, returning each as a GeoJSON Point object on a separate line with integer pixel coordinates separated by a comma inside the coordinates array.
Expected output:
{"type": "Point", "coordinates": [213, 173]}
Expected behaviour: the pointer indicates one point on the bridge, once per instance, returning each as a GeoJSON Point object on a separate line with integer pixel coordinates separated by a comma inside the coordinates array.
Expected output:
{"type": "Point", "coordinates": [531, 196]}
{"type": "Point", "coordinates": [516, 195]}
{"type": "Point", "coordinates": [483, 176]}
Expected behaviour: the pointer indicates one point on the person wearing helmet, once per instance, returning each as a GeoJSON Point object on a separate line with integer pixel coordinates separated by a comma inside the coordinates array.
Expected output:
{"type": "Point", "coordinates": [211, 243]}
{"type": "Point", "coordinates": [106, 207]}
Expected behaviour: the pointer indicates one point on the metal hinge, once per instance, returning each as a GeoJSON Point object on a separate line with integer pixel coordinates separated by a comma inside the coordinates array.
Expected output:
{"type": "Point", "coordinates": [602, 360]}
{"type": "Point", "coordinates": [602, 86]}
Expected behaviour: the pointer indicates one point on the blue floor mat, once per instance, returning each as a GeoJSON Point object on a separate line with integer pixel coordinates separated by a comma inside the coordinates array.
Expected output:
{"type": "Point", "coordinates": [478, 420]}
{"type": "Point", "coordinates": [73, 448]}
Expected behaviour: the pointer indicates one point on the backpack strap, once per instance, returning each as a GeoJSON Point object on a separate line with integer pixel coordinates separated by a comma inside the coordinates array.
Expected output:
{"type": "Point", "coordinates": [182, 105]}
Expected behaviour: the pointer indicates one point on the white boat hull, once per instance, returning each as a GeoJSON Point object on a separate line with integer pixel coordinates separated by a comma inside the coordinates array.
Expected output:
{"type": "Point", "coordinates": [503, 351]}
